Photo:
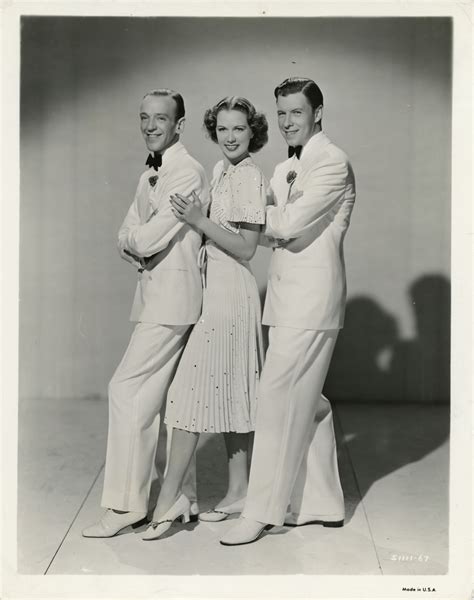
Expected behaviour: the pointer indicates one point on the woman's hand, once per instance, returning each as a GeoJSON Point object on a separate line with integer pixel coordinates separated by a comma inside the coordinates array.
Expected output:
{"type": "Point", "coordinates": [187, 210]}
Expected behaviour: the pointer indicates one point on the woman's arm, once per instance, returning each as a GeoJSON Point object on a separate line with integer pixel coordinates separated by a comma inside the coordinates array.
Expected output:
{"type": "Point", "coordinates": [242, 244]}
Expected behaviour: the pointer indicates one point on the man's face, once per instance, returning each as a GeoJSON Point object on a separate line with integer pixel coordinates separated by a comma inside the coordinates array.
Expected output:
{"type": "Point", "coordinates": [296, 118]}
{"type": "Point", "coordinates": [157, 122]}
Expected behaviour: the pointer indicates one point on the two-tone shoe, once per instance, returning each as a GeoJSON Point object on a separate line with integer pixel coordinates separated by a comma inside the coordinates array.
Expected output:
{"type": "Point", "coordinates": [292, 520]}
{"type": "Point", "coordinates": [245, 531]}
{"type": "Point", "coordinates": [112, 523]}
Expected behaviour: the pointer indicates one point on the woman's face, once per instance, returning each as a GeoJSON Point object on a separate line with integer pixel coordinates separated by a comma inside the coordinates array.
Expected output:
{"type": "Point", "coordinates": [233, 134]}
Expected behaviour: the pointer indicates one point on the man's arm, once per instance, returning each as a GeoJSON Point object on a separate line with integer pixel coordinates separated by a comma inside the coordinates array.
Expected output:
{"type": "Point", "coordinates": [264, 240]}
{"type": "Point", "coordinates": [132, 219]}
{"type": "Point", "coordinates": [153, 236]}
{"type": "Point", "coordinates": [323, 189]}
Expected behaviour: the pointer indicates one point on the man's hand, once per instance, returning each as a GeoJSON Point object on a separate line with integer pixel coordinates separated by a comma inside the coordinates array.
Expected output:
{"type": "Point", "coordinates": [146, 263]}
{"type": "Point", "coordinates": [134, 260]}
{"type": "Point", "coordinates": [150, 262]}
{"type": "Point", "coordinates": [133, 256]}
{"type": "Point", "coordinates": [270, 197]}
{"type": "Point", "coordinates": [280, 243]}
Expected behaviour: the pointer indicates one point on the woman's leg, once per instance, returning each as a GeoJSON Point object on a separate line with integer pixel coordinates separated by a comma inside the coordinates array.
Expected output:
{"type": "Point", "coordinates": [237, 445]}
{"type": "Point", "coordinates": [183, 445]}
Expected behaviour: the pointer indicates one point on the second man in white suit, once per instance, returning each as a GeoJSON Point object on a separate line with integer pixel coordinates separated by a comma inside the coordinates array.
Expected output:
{"type": "Point", "coordinates": [294, 458]}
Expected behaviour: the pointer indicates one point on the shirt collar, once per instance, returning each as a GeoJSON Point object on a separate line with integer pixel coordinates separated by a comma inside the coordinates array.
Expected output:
{"type": "Point", "coordinates": [232, 167]}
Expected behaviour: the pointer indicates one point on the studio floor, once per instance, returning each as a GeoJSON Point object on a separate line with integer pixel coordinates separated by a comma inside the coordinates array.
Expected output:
{"type": "Point", "coordinates": [393, 462]}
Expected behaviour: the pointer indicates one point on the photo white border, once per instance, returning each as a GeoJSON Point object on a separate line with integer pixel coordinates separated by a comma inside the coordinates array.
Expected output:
{"type": "Point", "coordinates": [457, 583]}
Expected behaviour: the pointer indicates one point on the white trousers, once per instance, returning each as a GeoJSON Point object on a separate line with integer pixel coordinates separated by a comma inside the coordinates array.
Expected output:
{"type": "Point", "coordinates": [137, 393]}
{"type": "Point", "coordinates": [294, 459]}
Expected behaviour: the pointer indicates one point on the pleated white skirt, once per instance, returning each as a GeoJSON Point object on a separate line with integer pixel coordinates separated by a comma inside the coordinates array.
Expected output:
{"type": "Point", "coordinates": [215, 386]}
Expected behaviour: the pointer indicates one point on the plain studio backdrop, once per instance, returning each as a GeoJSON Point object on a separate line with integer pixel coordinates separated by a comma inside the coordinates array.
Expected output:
{"type": "Point", "coordinates": [387, 89]}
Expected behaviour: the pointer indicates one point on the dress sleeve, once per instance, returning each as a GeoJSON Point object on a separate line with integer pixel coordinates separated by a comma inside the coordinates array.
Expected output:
{"type": "Point", "coordinates": [247, 200]}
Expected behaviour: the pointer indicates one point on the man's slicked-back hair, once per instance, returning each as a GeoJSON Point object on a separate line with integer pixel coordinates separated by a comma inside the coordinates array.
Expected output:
{"type": "Point", "coordinates": [308, 87]}
{"type": "Point", "coordinates": [176, 96]}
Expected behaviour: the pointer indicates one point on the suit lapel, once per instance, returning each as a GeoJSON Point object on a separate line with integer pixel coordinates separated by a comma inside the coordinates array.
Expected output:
{"type": "Point", "coordinates": [312, 148]}
{"type": "Point", "coordinates": [155, 198]}
{"type": "Point", "coordinates": [144, 197]}
{"type": "Point", "coordinates": [280, 182]}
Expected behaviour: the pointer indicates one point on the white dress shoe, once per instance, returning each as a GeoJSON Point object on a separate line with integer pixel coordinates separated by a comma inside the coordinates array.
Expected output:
{"type": "Point", "coordinates": [220, 514]}
{"type": "Point", "coordinates": [294, 520]}
{"type": "Point", "coordinates": [111, 523]}
{"type": "Point", "coordinates": [245, 532]}
{"type": "Point", "coordinates": [159, 526]}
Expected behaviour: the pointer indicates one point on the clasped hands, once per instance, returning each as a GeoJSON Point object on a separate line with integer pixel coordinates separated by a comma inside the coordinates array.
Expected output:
{"type": "Point", "coordinates": [187, 208]}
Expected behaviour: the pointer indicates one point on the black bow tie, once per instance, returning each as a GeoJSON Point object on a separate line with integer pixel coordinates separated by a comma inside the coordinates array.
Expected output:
{"type": "Point", "coordinates": [154, 161]}
{"type": "Point", "coordinates": [295, 150]}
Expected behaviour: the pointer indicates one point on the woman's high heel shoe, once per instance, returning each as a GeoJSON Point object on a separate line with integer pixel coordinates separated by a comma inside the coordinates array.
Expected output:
{"type": "Point", "coordinates": [158, 527]}
{"type": "Point", "coordinates": [220, 514]}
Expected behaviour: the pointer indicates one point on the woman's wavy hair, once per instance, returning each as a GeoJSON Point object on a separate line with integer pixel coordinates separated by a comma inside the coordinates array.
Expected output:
{"type": "Point", "coordinates": [256, 120]}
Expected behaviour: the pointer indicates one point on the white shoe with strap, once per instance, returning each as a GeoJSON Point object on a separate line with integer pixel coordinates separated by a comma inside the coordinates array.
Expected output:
{"type": "Point", "coordinates": [220, 514]}
{"type": "Point", "coordinates": [159, 526]}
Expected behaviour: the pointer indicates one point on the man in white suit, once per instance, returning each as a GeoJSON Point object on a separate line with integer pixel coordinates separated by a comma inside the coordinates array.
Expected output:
{"type": "Point", "coordinates": [294, 460]}
{"type": "Point", "coordinates": [167, 303]}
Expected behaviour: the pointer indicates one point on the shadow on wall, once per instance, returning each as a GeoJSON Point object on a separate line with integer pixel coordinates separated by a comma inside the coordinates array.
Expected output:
{"type": "Point", "coordinates": [371, 361]}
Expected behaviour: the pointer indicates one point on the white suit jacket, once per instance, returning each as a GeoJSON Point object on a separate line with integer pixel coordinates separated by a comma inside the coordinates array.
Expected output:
{"type": "Point", "coordinates": [169, 291]}
{"type": "Point", "coordinates": [307, 281]}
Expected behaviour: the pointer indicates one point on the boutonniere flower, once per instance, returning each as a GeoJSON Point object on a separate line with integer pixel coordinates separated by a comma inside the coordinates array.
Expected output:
{"type": "Point", "coordinates": [152, 180]}
{"type": "Point", "coordinates": [291, 176]}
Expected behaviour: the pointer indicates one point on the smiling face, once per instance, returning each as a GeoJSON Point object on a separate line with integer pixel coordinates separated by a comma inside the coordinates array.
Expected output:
{"type": "Point", "coordinates": [297, 120]}
{"type": "Point", "coordinates": [233, 134]}
{"type": "Point", "coordinates": [158, 122]}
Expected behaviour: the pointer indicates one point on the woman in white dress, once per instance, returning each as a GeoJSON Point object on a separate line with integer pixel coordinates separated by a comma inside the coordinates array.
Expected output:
{"type": "Point", "coordinates": [215, 386]}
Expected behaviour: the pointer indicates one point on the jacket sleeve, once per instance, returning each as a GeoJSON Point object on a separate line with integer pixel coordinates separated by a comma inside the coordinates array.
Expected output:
{"type": "Point", "coordinates": [155, 235]}
{"type": "Point", "coordinates": [132, 219]}
{"type": "Point", "coordinates": [323, 188]}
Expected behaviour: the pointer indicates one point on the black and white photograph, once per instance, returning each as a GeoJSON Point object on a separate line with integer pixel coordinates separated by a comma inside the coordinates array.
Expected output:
{"type": "Point", "coordinates": [238, 336]}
